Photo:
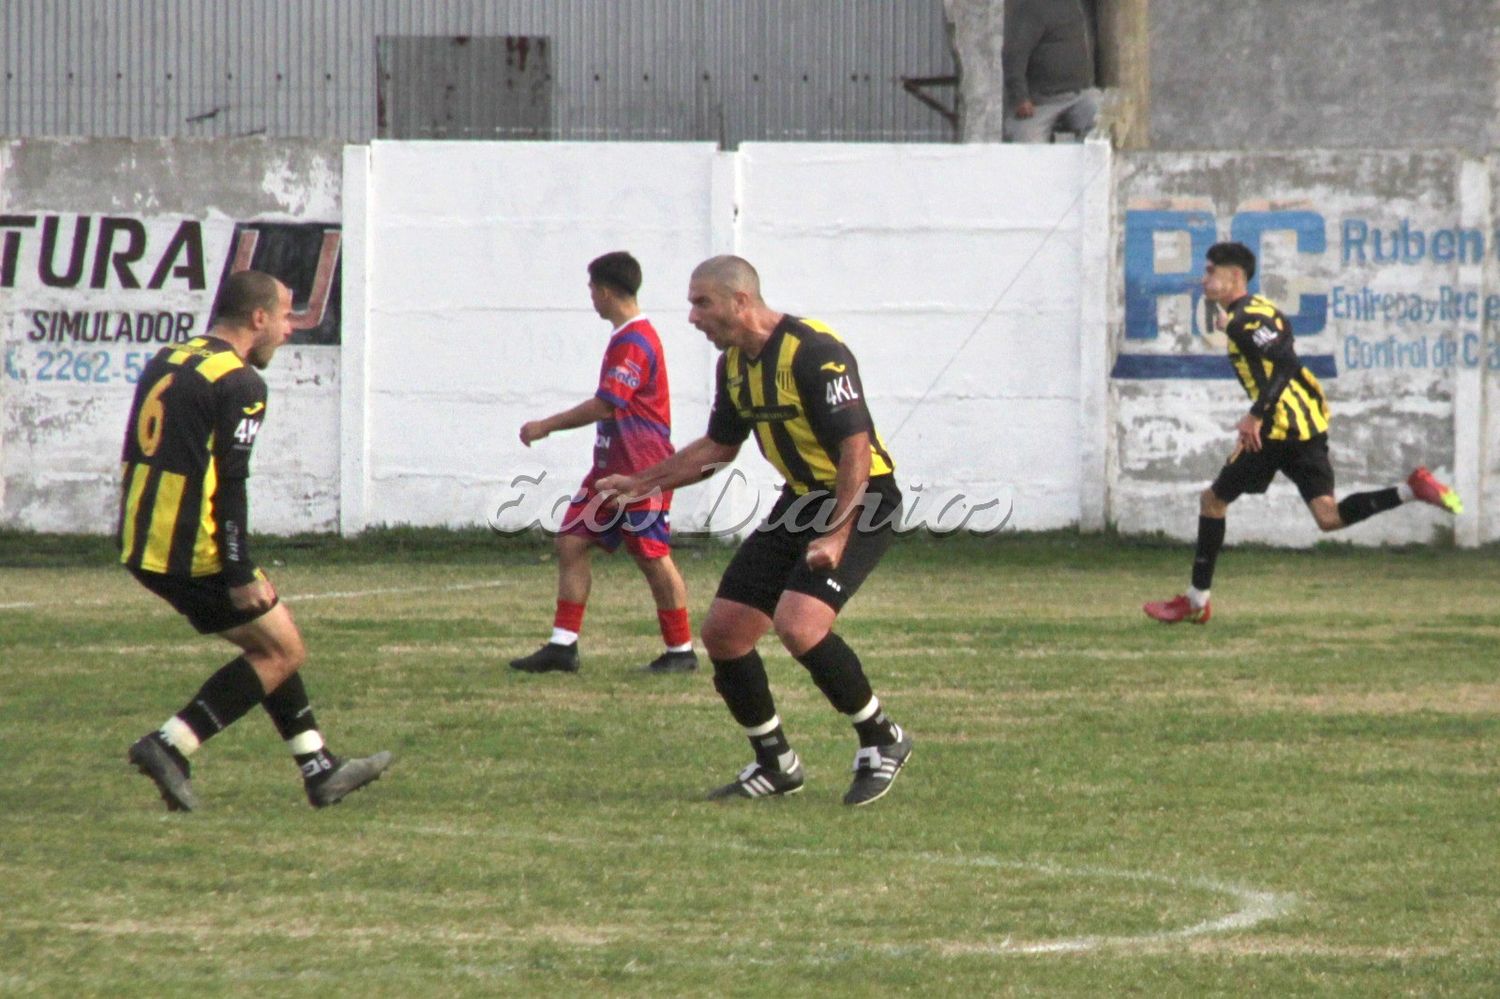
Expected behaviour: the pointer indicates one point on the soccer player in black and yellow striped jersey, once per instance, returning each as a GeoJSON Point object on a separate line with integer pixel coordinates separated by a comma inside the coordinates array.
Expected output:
{"type": "Point", "coordinates": [1286, 431]}
{"type": "Point", "coordinates": [794, 385]}
{"type": "Point", "coordinates": [197, 412]}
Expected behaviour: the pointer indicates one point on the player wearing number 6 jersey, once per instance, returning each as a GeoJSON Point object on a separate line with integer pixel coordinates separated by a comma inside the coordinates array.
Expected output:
{"type": "Point", "coordinates": [198, 409]}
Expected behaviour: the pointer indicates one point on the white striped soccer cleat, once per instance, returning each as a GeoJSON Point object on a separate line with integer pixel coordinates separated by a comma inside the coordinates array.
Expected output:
{"type": "Point", "coordinates": [875, 769]}
{"type": "Point", "coordinates": [757, 781]}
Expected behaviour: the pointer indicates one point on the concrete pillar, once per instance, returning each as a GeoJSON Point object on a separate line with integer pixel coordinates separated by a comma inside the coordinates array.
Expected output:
{"type": "Point", "coordinates": [1470, 418]}
{"type": "Point", "coordinates": [1125, 71]}
{"type": "Point", "coordinates": [354, 366]}
{"type": "Point", "coordinates": [978, 33]}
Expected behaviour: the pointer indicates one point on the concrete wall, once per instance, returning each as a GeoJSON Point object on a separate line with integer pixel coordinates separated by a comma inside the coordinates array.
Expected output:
{"type": "Point", "coordinates": [141, 233]}
{"type": "Point", "coordinates": [1026, 317]}
{"type": "Point", "coordinates": [953, 272]}
{"type": "Point", "coordinates": [1358, 74]}
{"type": "Point", "coordinates": [1389, 266]}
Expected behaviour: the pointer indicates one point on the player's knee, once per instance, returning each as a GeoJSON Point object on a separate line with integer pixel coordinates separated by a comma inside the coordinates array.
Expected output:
{"type": "Point", "coordinates": [719, 640]}
{"type": "Point", "coordinates": [1209, 504]}
{"type": "Point", "coordinates": [277, 655]}
{"type": "Point", "coordinates": [294, 655]}
{"type": "Point", "coordinates": [728, 637]}
{"type": "Point", "coordinates": [288, 656]}
{"type": "Point", "coordinates": [797, 634]}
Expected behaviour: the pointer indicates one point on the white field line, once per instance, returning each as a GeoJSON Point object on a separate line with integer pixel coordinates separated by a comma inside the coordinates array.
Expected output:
{"type": "Point", "coordinates": [300, 597]}
{"type": "Point", "coordinates": [1253, 906]}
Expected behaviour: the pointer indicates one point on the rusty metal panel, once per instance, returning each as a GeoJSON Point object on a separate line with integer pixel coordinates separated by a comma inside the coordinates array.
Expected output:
{"type": "Point", "coordinates": [463, 87]}
{"type": "Point", "coordinates": [627, 69]}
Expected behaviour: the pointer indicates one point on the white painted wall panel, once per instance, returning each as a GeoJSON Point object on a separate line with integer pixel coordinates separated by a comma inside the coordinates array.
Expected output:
{"type": "Point", "coordinates": [952, 273]}
{"type": "Point", "coordinates": [479, 315]}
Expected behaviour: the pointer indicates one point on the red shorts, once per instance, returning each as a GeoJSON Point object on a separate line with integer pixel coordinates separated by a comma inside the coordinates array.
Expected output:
{"type": "Point", "coordinates": [645, 530]}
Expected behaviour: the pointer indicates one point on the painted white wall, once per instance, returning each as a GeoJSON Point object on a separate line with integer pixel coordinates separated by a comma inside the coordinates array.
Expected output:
{"type": "Point", "coordinates": [478, 317]}
{"type": "Point", "coordinates": [951, 271]}
{"type": "Point", "coordinates": [981, 286]}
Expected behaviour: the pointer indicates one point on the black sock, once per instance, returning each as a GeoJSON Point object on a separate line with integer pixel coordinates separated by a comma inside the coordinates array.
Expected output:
{"type": "Point", "coordinates": [224, 699]}
{"type": "Point", "coordinates": [877, 730]}
{"type": "Point", "coordinates": [292, 714]}
{"type": "Point", "coordinates": [838, 673]}
{"type": "Point", "coordinates": [1359, 506]}
{"type": "Point", "coordinates": [1210, 540]}
{"type": "Point", "coordinates": [747, 693]}
{"type": "Point", "coordinates": [771, 748]}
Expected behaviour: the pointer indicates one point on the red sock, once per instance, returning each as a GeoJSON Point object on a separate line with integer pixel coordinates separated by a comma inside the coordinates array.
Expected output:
{"type": "Point", "coordinates": [569, 616]}
{"type": "Point", "coordinates": [675, 628]}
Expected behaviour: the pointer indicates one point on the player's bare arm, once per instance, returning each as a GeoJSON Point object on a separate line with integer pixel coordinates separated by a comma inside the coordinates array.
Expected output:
{"type": "Point", "coordinates": [825, 553]}
{"type": "Point", "coordinates": [589, 411]}
{"type": "Point", "coordinates": [694, 463]}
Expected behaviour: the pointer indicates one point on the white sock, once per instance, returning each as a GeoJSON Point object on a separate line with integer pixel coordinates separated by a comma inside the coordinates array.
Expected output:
{"type": "Point", "coordinates": [562, 636]}
{"type": "Point", "coordinates": [1404, 491]}
{"type": "Point", "coordinates": [179, 736]}
{"type": "Point", "coordinates": [1197, 597]}
{"type": "Point", "coordinates": [307, 742]}
{"type": "Point", "coordinates": [684, 647]}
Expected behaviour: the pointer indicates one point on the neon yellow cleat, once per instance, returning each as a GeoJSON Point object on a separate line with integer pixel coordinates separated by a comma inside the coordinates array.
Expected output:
{"type": "Point", "coordinates": [1425, 487]}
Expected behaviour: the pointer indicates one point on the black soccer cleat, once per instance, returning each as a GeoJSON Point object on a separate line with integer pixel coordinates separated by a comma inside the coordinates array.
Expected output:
{"type": "Point", "coordinates": [875, 769]}
{"type": "Point", "coordinates": [757, 781]}
{"type": "Point", "coordinates": [168, 768]}
{"type": "Point", "coordinates": [346, 777]}
{"type": "Point", "coordinates": [673, 662]}
{"type": "Point", "coordinates": [550, 658]}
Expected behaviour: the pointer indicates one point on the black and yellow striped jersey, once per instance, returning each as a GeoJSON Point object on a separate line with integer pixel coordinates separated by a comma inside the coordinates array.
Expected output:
{"type": "Point", "coordinates": [1287, 396]}
{"type": "Point", "coordinates": [198, 408]}
{"type": "Point", "coordinates": [802, 397]}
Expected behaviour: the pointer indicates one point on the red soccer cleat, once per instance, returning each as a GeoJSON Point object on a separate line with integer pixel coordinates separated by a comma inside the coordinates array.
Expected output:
{"type": "Point", "coordinates": [1177, 610]}
{"type": "Point", "coordinates": [1425, 487]}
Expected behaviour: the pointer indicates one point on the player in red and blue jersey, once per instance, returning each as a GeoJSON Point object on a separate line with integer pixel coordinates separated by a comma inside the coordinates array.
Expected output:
{"type": "Point", "coordinates": [632, 414]}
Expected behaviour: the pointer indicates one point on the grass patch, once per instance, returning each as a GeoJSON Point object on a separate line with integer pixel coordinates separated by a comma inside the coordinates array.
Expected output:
{"type": "Point", "coordinates": [1299, 799]}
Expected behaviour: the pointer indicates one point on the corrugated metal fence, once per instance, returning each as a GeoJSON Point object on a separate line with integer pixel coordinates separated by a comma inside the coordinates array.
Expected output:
{"type": "Point", "coordinates": [827, 70]}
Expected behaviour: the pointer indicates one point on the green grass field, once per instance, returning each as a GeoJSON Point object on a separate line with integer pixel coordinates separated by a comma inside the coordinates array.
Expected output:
{"type": "Point", "coordinates": [1302, 798]}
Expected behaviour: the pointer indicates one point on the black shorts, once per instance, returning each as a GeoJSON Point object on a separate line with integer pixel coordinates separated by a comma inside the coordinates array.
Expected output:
{"type": "Point", "coordinates": [771, 560]}
{"type": "Point", "coordinates": [1304, 462]}
{"type": "Point", "coordinates": [203, 600]}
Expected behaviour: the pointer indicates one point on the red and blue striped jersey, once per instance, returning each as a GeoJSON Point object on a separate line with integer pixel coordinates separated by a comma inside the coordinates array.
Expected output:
{"type": "Point", "coordinates": [633, 381]}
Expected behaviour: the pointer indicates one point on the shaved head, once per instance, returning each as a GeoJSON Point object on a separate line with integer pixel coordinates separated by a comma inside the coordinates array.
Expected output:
{"type": "Point", "coordinates": [731, 274]}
